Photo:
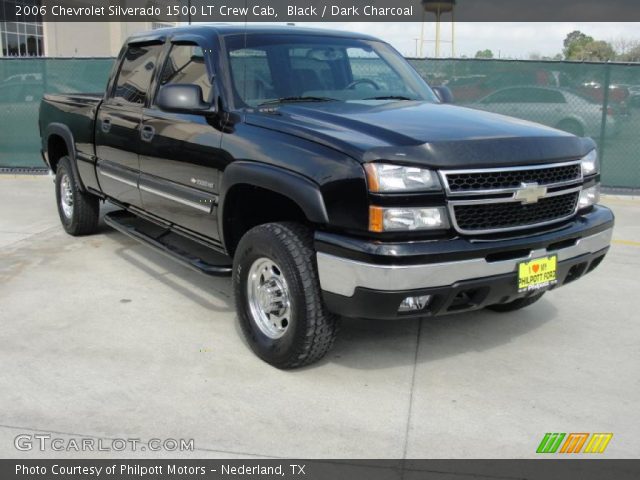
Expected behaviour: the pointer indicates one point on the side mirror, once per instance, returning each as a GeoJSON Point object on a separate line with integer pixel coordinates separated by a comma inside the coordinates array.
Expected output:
{"type": "Point", "coordinates": [443, 93]}
{"type": "Point", "coordinates": [181, 98]}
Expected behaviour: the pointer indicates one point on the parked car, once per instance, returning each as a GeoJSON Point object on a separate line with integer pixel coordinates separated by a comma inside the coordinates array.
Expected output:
{"type": "Point", "coordinates": [634, 95]}
{"type": "Point", "coordinates": [555, 107]}
{"type": "Point", "coordinates": [24, 77]}
{"type": "Point", "coordinates": [260, 153]}
{"type": "Point", "coordinates": [471, 88]}
{"type": "Point", "coordinates": [617, 93]}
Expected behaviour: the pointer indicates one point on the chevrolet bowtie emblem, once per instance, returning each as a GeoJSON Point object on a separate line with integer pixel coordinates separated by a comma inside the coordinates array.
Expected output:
{"type": "Point", "coordinates": [530, 192]}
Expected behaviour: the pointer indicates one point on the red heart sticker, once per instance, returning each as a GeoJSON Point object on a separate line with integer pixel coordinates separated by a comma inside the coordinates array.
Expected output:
{"type": "Point", "coordinates": [535, 268]}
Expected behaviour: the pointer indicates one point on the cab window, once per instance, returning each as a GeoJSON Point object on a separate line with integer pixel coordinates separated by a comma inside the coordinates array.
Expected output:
{"type": "Point", "coordinates": [135, 74]}
{"type": "Point", "coordinates": [185, 64]}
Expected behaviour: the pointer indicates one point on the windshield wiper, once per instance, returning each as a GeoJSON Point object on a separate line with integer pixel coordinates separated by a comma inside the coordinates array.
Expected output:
{"type": "Point", "coordinates": [389, 97]}
{"type": "Point", "coordinates": [297, 99]}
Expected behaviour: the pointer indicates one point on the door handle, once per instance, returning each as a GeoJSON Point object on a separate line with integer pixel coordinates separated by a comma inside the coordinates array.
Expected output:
{"type": "Point", "coordinates": [147, 132]}
{"type": "Point", "coordinates": [106, 124]}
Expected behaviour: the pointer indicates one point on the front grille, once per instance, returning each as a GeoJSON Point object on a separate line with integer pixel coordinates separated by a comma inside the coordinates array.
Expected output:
{"type": "Point", "coordinates": [513, 215]}
{"type": "Point", "coordinates": [461, 182]}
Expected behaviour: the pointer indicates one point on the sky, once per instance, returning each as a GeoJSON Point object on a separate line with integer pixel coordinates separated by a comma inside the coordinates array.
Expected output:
{"type": "Point", "coordinates": [507, 40]}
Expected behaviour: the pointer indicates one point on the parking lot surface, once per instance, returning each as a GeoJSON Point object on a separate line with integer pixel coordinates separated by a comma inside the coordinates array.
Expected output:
{"type": "Point", "coordinates": [104, 338]}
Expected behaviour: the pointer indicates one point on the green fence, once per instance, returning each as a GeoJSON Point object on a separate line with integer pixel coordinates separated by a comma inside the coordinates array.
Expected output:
{"type": "Point", "coordinates": [599, 100]}
{"type": "Point", "coordinates": [23, 81]}
{"type": "Point", "coordinates": [593, 99]}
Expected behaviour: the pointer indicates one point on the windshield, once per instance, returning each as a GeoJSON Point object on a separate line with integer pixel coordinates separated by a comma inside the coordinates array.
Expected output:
{"type": "Point", "coordinates": [272, 68]}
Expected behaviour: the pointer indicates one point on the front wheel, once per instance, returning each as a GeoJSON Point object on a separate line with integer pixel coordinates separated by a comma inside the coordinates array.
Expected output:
{"type": "Point", "coordinates": [278, 297]}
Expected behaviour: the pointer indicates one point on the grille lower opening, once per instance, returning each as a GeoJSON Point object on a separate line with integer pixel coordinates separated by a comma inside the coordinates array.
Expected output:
{"type": "Point", "coordinates": [510, 255]}
{"type": "Point", "coordinates": [595, 263]}
{"type": "Point", "coordinates": [575, 272]}
{"type": "Point", "coordinates": [563, 244]}
{"type": "Point", "coordinates": [466, 299]}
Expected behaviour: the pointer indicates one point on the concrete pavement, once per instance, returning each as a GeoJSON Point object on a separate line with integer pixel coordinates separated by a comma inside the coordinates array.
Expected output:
{"type": "Point", "coordinates": [103, 338]}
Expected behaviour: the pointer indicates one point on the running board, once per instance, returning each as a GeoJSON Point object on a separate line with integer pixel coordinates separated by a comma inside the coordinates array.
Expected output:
{"type": "Point", "coordinates": [188, 252]}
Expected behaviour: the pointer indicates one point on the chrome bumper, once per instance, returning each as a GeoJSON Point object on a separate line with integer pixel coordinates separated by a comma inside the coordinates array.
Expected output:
{"type": "Point", "coordinates": [342, 276]}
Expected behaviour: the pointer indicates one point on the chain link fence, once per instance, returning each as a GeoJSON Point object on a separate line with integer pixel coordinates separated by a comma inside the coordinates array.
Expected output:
{"type": "Point", "coordinates": [23, 82]}
{"type": "Point", "coordinates": [600, 100]}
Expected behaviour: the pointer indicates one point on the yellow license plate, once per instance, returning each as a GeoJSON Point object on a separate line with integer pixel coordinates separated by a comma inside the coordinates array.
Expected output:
{"type": "Point", "coordinates": [537, 274]}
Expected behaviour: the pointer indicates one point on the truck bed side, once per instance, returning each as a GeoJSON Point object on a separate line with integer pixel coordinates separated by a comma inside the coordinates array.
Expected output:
{"type": "Point", "coordinates": [67, 127]}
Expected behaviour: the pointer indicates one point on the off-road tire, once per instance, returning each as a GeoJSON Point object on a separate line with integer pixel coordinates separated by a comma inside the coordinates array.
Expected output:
{"type": "Point", "coordinates": [85, 209]}
{"type": "Point", "coordinates": [312, 330]}
{"type": "Point", "coordinates": [516, 304]}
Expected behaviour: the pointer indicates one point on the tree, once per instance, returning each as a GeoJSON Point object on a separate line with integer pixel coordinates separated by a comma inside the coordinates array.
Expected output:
{"type": "Point", "coordinates": [574, 43]}
{"type": "Point", "coordinates": [627, 50]}
{"type": "Point", "coordinates": [484, 53]}
{"type": "Point", "coordinates": [579, 46]}
{"type": "Point", "coordinates": [599, 50]}
{"type": "Point", "coordinates": [596, 50]}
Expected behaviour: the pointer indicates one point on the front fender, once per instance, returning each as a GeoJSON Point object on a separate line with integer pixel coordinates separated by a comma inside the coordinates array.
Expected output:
{"type": "Point", "coordinates": [299, 189]}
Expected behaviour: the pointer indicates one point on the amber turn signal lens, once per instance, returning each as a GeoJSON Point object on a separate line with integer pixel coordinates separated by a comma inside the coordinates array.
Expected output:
{"type": "Point", "coordinates": [372, 177]}
{"type": "Point", "coordinates": [375, 219]}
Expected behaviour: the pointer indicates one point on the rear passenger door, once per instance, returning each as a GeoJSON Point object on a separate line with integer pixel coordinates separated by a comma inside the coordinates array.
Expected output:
{"type": "Point", "coordinates": [180, 156]}
{"type": "Point", "coordinates": [118, 123]}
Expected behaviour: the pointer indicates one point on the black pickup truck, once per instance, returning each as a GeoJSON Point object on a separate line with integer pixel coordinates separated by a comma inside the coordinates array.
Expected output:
{"type": "Point", "coordinates": [321, 172]}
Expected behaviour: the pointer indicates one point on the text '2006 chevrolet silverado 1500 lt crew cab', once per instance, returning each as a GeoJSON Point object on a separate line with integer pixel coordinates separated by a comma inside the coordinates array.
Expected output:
{"type": "Point", "coordinates": [323, 174]}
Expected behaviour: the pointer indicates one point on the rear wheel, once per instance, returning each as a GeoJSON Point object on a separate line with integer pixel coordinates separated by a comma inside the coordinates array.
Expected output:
{"type": "Point", "coordinates": [516, 304]}
{"type": "Point", "coordinates": [78, 210]}
{"type": "Point", "coordinates": [278, 298]}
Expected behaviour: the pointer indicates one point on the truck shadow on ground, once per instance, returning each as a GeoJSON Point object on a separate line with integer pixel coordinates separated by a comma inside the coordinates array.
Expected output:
{"type": "Point", "coordinates": [211, 293]}
{"type": "Point", "coordinates": [389, 343]}
{"type": "Point", "coordinates": [361, 343]}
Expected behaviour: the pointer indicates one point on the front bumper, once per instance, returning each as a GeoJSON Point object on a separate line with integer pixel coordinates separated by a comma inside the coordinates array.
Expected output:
{"type": "Point", "coordinates": [364, 279]}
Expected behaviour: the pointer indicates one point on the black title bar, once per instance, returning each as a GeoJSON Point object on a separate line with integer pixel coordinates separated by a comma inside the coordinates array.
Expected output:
{"type": "Point", "coordinates": [323, 10]}
{"type": "Point", "coordinates": [542, 469]}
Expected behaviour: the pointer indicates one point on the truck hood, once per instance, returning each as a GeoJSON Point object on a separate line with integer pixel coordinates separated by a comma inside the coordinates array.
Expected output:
{"type": "Point", "coordinates": [428, 134]}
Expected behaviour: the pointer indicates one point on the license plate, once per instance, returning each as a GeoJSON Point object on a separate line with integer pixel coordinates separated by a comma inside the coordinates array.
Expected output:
{"type": "Point", "coordinates": [537, 274]}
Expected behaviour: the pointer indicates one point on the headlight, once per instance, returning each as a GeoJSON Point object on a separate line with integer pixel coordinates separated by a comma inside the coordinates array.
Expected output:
{"type": "Point", "coordinates": [589, 196]}
{"type": "Point", "coordinates": [590, 163]}
{"type": "Point", "coordinates": [387, 178]}
{"type": "Point", "coordinates": [406, 219]}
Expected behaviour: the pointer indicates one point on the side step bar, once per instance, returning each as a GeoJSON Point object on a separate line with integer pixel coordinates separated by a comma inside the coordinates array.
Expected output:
{"type": "Point", "coordinates": [188, 252]}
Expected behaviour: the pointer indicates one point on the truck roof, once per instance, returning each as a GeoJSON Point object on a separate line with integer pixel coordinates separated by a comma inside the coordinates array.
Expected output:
{"type": "Point", "coordinates": [228, 29]}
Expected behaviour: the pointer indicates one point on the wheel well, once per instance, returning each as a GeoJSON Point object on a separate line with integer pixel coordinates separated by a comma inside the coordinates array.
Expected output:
{"type": "Point", "coordinates": [247, 206]}
{"type": "Point", "coordinates": [56, 149]}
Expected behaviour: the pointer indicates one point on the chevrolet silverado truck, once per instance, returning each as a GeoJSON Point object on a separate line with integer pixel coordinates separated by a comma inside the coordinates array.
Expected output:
{"type": "Point", "coordinates": [322, 173]}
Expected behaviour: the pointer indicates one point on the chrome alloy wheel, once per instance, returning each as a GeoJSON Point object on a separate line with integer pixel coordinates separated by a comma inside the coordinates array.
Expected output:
{"type": "Point", "coordinates": [66, 196]}
{"type": "Point", "coordinates": [268, 296]}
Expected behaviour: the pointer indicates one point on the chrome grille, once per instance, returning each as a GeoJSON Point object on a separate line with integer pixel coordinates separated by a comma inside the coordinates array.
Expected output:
{"type": "Point", "coordinates": [502, 199]}
{"type": "Point", "coordinates": [463, 182]}
{"type": "Point", "coordinates": [510, 215]}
